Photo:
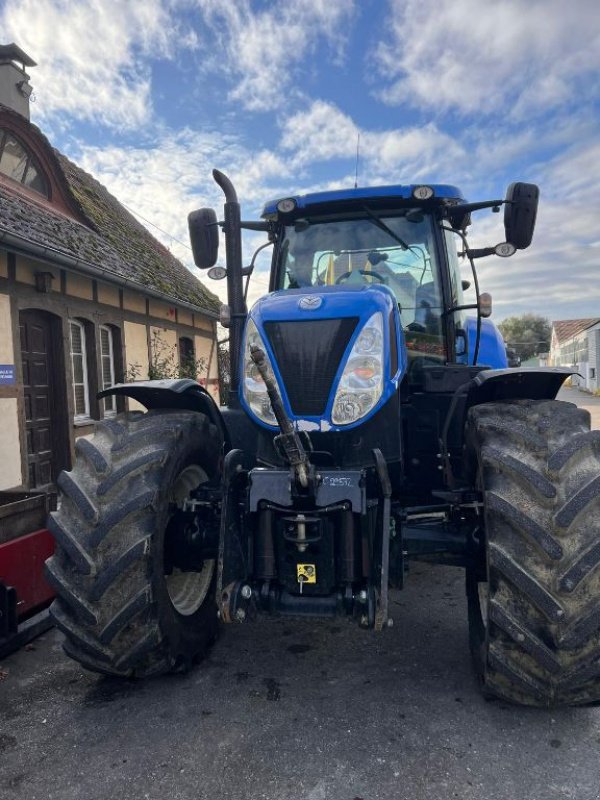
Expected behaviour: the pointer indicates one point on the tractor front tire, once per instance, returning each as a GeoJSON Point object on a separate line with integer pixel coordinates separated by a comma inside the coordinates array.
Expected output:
{"type": "Point", "coordinates": [121, 615]}
{"type": "Point", "coordinates": [534, 604]}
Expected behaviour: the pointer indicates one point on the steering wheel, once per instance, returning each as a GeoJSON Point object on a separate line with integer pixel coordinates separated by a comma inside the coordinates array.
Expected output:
{"type": "Point", "coordinates": [365, 272]}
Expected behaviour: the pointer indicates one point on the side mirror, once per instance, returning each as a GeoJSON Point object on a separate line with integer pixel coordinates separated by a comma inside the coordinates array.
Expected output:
{"type": "Point", "coordinates": [204, 236]}
{"type": "Point", "coordinates": [520, 211]}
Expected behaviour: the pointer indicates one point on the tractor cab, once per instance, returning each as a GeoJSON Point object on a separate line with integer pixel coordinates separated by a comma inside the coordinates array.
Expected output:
{"type": "Point", "coordinates": [333, 242]}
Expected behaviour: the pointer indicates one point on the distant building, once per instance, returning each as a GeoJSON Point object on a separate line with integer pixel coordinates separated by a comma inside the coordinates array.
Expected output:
{"type": "Point", "coordinates": [576, 343]}
{"type": "Point", "coordinates": [87, 298]}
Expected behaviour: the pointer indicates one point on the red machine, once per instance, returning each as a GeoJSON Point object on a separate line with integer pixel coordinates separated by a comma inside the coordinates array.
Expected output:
{"type": "Point", "coordinates": [24, 546]}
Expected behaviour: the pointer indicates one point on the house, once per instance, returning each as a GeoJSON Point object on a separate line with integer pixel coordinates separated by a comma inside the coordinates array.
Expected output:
{"type": "Point", "coordinates": [88, 298]}
{"type": "Point", "coordinates": [576, 343]}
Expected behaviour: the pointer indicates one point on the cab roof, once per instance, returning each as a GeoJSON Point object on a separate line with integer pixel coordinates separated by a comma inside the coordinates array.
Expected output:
{"type": "Point", "coordinates": [441, 192]}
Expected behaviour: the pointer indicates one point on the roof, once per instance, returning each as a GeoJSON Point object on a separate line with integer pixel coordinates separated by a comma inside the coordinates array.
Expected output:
{"type": "Point", "coordinates": [130, 248]}
{"type": "Point", "coordinates": [108, 238]}
{"type": "Point", "coordinates": [568, 328]}
{"type": "Point", "coordinates": [393, 192]}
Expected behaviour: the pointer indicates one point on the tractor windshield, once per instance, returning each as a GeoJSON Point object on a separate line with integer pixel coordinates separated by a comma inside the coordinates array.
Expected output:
{"type": "Point", "coordinates": [396, 251]}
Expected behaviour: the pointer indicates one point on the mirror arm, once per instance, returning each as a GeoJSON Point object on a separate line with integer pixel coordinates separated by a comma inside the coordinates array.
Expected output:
{"type": "Point", "coordinates": [255, 225]}
{"type": "Point", "coordinates": [468, 307]}
{"type": "Point", "coordinates": [481, 252]}
{"type": "Point", "coordinates": [465, 208]}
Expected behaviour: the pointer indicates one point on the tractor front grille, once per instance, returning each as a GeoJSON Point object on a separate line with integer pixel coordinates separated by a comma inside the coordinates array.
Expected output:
{"type": "Point", "coordinates": [308, 354]}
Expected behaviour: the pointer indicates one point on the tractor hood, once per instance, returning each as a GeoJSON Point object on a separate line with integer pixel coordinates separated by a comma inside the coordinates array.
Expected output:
{"type": "Point", "coordinates": [337, 354]}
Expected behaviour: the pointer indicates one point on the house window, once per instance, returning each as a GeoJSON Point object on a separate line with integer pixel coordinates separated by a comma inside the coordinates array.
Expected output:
{"type": "Point", "coordinates": [17, 163]}
{"type": "Point", "coordinates": [187, 358]}
{"type": "Point", "coordinates": [81, 392]}
{"type": "Point", "coordinates": [107, 358]}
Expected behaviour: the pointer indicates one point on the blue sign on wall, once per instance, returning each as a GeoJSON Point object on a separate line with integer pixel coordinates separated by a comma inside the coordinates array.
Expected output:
{"type": "Point", "coordinates": [7, 375]}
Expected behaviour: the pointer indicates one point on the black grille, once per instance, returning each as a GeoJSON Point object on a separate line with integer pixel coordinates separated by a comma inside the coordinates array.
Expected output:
{"type": "Point", "coordinates": [308, 354]}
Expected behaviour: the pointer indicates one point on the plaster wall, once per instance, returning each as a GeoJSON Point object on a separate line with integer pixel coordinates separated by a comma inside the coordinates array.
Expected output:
{"type": "Point", "coordinates": [134, 302]}
{"type": "Point", "coordinates": [203, 323]}
{"type": "Point", "coordinates": [136, 351]}
{"type": "Point", "coordinates": [7, 353]}
{"type": "Point", "coordinates": [109, 295]}
{"type": "Point", "coordinates": [78, 286]}
{"type": "Point", "coordinates": [161, 310]}
{"type": "Point", "coordinates": [203, 350]}
{"type": "Point", "coordinates": [184, 317]}
{"type": "Point", "coordinates": [163, 346]}
{"type": "Point", "coordinates": [10, 445]}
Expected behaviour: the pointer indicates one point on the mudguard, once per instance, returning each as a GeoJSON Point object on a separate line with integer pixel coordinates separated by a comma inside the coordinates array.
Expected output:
{"type": "Point", "coordinates": [535, 383]}
{"type": "Point", "coordinates": [181, 393]}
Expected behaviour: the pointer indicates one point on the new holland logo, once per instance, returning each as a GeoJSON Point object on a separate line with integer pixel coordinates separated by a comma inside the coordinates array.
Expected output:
{"type": "Point", "coordinates": [310, 302]}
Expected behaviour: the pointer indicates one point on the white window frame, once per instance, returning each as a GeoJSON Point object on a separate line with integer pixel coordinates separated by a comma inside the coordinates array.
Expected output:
{"type": "Point", "coordinates": [83, 354]}
{"type": "Point", "coordinates": [111, 412]}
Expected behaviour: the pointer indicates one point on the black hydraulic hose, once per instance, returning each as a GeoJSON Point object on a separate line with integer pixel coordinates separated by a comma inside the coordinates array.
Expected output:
{"type": "Point", "coordinates": [478, 334]}
{"type": "Point", "coordinates": [251, 268]}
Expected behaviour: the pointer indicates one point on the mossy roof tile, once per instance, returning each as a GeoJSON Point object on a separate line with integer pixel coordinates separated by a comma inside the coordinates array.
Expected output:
{"type": "Point", "coordinates": [113, 240]}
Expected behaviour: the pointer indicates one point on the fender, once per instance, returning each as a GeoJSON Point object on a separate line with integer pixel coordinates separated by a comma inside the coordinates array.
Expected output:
{"type": "Point", "coordinates": [535, 383]}
{"type": "Point", "coordinates": [491, 385]}
{"type": "Point", "coordinates": [180, 393]}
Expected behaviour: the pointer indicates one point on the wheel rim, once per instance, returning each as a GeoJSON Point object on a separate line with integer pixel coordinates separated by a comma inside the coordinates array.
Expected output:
{"type": "Point", "coordinates": [188, 590]}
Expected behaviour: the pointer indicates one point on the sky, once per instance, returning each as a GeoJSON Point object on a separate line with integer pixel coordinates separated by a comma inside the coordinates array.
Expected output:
{"type": "Point", "coordinates": [149, 96]}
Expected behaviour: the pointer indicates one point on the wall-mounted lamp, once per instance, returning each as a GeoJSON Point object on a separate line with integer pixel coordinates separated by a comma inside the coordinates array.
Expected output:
{"type": "Point", "coordinates": [25, 88]}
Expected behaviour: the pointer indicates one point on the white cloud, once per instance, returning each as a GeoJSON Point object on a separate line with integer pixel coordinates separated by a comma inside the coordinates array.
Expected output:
{"type": "Point", "coordinates": [323, 132]}
{"type": "Point", "coordinates": [262, 50]}
{"type": "Point", "coordinates": [515, 57]}
{"type": "Point", "coordinates": [89, 52]}
{"type": "Point", "coordinates": [558, 275]}
{"type": "Point", "coordinates": [164, 179]}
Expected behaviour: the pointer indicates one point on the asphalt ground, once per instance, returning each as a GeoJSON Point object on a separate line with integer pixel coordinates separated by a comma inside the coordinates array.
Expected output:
{"type": "Point", "coordinates": [584, 400]}
{"type": "Point", "coordinates": [304, 710]}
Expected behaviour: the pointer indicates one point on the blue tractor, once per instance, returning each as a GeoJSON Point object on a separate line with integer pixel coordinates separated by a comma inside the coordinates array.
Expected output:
{"type": "Point", "coordinates": [371, 421]}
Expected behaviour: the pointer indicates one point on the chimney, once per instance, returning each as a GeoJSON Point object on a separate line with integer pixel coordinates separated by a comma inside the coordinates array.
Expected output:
{"type": "Point", "coordinates": [15, 88]}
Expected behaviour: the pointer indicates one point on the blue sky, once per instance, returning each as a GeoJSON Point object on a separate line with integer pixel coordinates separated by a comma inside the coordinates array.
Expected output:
{"type": "Point", "coordinates": [150, 96]}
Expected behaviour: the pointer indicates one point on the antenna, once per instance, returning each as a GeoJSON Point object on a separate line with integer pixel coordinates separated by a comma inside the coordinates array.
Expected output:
{"type": "Point", "coordinates": [357, 154]}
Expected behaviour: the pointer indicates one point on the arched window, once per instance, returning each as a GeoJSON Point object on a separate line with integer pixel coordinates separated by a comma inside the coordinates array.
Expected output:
{"type": "Point", "coordinates": [19, 164]}
{"type": "Point", "coordinates": [81, 389]}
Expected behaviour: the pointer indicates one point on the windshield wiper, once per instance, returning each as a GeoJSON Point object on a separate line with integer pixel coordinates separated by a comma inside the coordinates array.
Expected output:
{"type": "Point", "coordinates": [381, 224]}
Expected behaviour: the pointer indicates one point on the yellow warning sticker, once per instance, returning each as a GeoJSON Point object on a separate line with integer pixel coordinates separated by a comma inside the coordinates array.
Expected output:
{"type": "Point", "coordinates": [307, 573]}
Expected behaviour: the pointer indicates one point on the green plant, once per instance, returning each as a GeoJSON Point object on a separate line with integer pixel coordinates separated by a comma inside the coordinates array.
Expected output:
{"type": "Point", "coordinates": [165, 364]}
{"type": "Point", "coordinates": [132, 373]}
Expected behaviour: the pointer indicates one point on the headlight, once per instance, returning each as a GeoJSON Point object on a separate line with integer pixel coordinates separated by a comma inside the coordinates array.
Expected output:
{"type": "Point", "coordinates": [255, 391]}
{"type": "Point", "coordinates": [361, 384]}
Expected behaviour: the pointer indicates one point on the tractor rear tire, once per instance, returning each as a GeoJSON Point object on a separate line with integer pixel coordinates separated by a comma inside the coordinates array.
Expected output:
{"type": "Point", "coordinates": [534, 605]}
{"type": "Point", "coordinates": [121, 615]}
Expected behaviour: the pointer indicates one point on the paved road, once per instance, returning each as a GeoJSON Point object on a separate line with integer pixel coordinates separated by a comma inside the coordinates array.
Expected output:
{"type": "Point", "coordinates": [309, 711]}
{"type": "Point", "coordinates": [286, 710]}
{"type": "Point", "coordinates": [583, 400]}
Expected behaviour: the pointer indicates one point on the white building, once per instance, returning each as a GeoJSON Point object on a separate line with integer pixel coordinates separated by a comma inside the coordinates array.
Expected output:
{"type": "Point", "coordinates": [576, 343]}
